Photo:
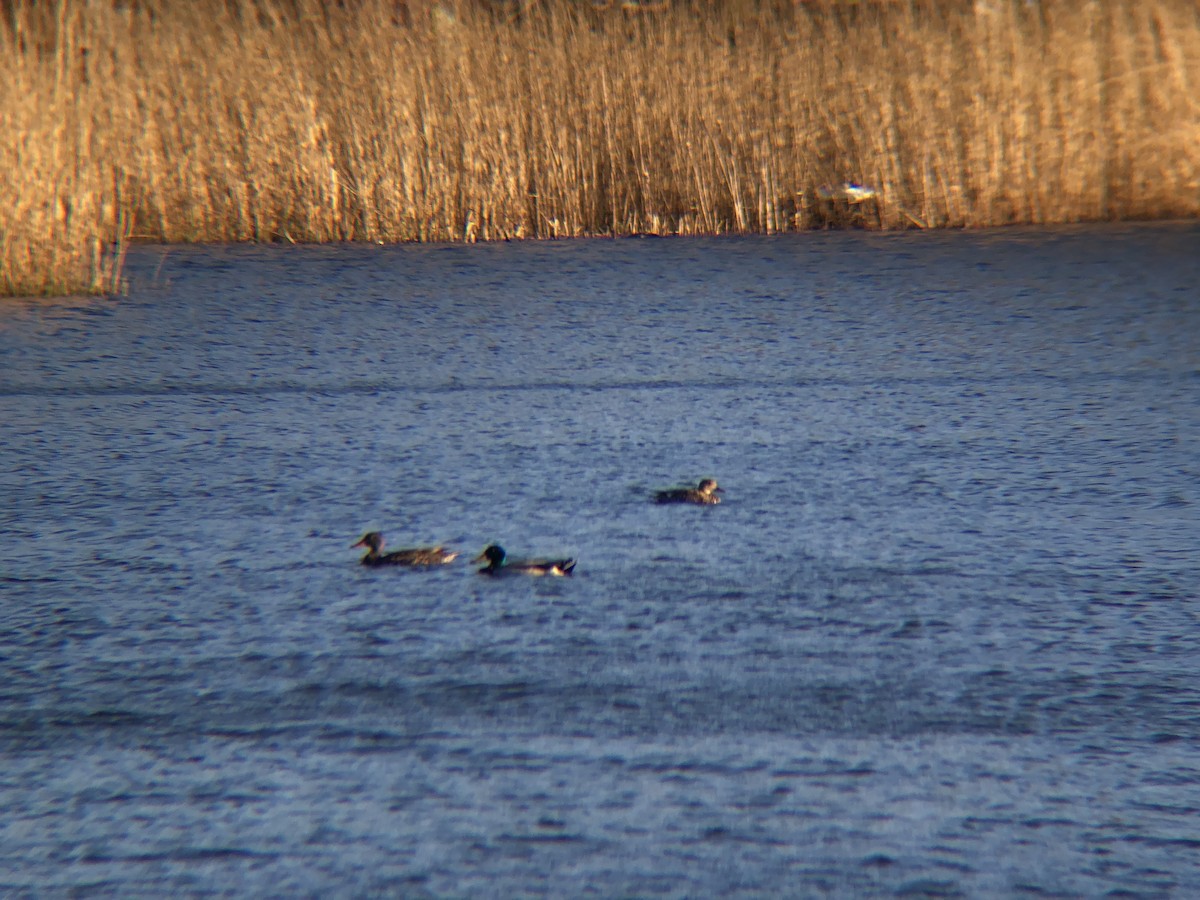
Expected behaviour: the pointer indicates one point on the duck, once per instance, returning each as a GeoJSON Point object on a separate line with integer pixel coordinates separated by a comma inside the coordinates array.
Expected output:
{"type": "Point", "coordinates": [498, 563]}
{"type": "Point", "coordinates": [415, 556]}
{"type": "Point", "coordinates": [704, 493]}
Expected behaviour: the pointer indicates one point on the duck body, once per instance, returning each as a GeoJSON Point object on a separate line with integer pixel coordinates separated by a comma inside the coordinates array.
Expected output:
{"type": "Point", "coordinates": [415, 556]}
{"type": "Point", "coordinates": [705, 493]}
{"type": "Point", "coordinates": [499, 564]}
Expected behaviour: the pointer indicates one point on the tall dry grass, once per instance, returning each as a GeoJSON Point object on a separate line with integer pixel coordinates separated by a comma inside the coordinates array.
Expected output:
{"type": "Point", "coordinates": [384, 120]}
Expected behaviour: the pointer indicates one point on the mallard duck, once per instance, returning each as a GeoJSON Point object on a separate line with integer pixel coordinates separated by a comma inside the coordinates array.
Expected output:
{"type": "Point", "coordinates": [417, 556]}
{"type": "Point", "coordinates": [498, 563]}
{"type": "Point", "coordinates": [706, 492]}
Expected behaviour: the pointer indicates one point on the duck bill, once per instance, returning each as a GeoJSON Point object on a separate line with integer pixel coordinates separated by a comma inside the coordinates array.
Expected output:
{"type": "Point", "coordinates": [482, 557]}
{"type": "Point", "coordinates": [361, 543]}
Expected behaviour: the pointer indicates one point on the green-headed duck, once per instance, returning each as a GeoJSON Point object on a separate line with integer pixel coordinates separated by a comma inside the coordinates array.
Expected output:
{"type": "Point", "coordinates": [498, 563]}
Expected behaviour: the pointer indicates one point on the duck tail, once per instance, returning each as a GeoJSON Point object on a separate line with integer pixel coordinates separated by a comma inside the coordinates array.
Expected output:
{"type": "Point", "coordinates": [567, 566]}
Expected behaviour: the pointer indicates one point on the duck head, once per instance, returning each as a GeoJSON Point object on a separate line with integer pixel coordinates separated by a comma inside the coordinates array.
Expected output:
{"type": "Point", "coordinates": [494, 554]}
{"type": "Point", "coordinates": [708, 487]}
{"type": "Point", "coordinates": [372, 540]}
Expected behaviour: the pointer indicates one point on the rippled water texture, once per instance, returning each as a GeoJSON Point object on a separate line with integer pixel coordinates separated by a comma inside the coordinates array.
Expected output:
{"type": "Point", "coordinates": [939, 640]}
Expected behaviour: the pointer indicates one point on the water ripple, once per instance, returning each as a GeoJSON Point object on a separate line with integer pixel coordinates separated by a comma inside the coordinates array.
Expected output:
{"type": "Point", "coordinates": [938, 640]}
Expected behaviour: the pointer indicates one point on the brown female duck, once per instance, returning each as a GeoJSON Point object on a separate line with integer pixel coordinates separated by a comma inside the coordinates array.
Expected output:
{"type": "Point", "coordinates": [416, 556]}
{"type": "Point", "coordinates": [704, 493]}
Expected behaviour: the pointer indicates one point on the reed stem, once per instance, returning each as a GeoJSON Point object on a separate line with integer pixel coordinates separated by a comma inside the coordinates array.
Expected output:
{"type": "Point", "coordinates": [386, 120]}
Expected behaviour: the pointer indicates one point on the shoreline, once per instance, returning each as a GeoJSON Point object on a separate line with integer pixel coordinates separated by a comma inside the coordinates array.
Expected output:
{"type": "Point", "coordinates": [134, 245]}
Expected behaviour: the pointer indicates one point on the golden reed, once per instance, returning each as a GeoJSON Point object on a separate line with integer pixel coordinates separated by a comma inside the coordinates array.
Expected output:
{"type": "Point", "coordinates": [385, 120]}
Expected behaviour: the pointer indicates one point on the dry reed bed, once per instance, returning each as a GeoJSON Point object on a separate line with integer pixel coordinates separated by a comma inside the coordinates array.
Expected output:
{"type": "Point", "coordinates": [232, 120]}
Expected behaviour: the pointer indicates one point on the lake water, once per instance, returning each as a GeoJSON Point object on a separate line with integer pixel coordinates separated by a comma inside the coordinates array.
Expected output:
{"type": "Point", "coordinates": [940, 639]}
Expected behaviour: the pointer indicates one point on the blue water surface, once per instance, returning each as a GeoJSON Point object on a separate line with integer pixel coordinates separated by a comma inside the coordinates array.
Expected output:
{"type": "Point", "coordinates": [939, 640]}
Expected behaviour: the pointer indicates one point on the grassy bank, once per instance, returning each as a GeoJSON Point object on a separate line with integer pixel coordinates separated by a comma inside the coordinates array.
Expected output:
{"type": "Point", "coordinates": [381, 120]}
